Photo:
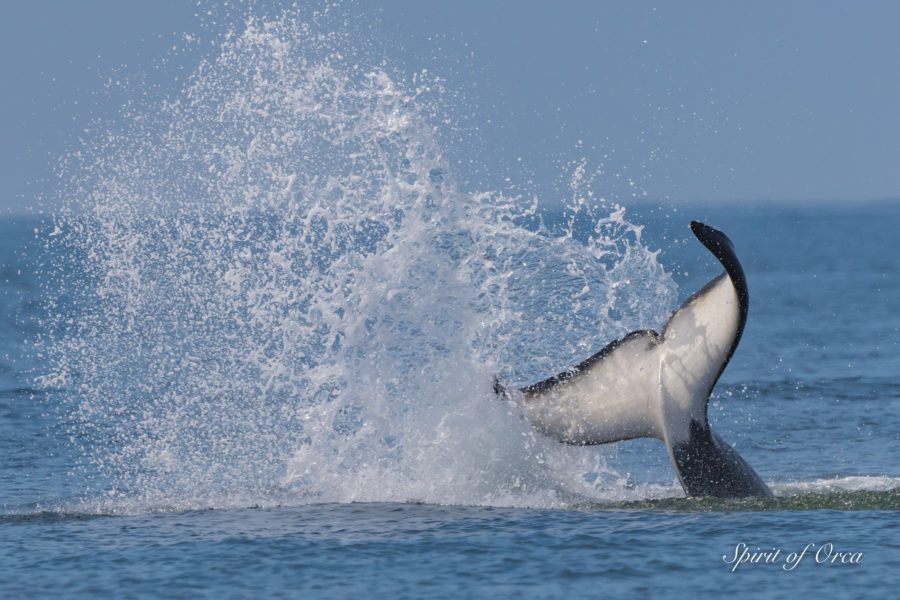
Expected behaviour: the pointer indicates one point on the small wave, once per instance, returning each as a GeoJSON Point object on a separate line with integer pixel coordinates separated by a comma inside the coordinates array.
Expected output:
{"type": "Point", "coordinates": [839, 483]}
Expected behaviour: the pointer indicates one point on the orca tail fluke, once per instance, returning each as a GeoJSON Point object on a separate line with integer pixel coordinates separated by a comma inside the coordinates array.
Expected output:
{"type": "Point", "coordinates": [657, 385]}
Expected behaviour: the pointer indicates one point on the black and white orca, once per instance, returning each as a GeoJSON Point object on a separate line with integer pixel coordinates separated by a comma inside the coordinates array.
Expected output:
{"type": "Point", "coordinates": [657, 385]}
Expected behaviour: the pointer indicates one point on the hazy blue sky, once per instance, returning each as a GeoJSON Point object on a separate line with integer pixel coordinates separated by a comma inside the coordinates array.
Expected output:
{"type": "Point", "coordinates": [691, 100]}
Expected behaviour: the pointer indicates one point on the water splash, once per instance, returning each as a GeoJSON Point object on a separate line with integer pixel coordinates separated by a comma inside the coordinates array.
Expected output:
{"type": "Point", "coordinates": [284, 296]}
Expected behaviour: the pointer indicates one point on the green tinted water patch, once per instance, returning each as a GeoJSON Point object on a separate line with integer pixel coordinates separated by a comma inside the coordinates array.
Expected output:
{"type": "Point", "coordinates": [859, 500]}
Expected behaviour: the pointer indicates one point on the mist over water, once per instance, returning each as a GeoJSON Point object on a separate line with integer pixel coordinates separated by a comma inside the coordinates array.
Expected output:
{"type": "Point", "coordinates": [284, 297]}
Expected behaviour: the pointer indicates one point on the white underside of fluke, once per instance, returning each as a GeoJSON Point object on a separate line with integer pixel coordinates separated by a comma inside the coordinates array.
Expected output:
{"type": "Point", "coordinates": [647, 384]}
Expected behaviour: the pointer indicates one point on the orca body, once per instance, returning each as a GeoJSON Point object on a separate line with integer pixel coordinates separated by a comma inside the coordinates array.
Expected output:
{"type": "Point", "coordinates": [657, 385]}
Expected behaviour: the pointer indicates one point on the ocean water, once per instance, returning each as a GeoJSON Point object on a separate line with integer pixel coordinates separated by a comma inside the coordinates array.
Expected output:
{"type": "Point", "coordinates": [252, 353]}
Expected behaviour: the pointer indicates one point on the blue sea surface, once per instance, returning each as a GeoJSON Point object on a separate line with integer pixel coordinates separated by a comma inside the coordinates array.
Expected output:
{"type": "Point", "coordinates": [810, 400]}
